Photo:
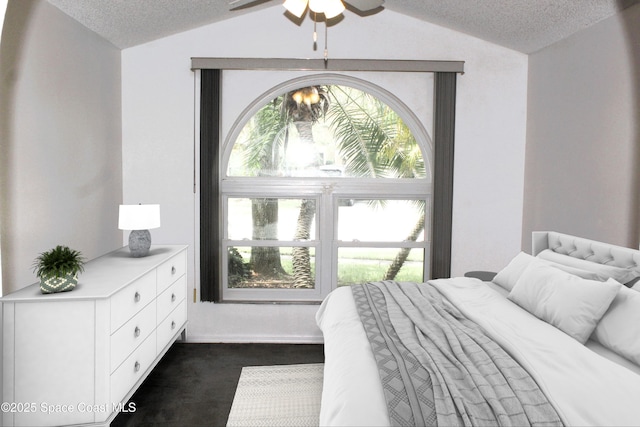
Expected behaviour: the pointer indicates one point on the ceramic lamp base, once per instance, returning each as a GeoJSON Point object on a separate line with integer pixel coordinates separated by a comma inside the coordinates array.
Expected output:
{"type": "Point", "coordinates": [139, 243]}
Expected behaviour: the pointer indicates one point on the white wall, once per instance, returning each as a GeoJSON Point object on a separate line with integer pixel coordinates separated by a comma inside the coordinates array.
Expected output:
{"type": "Point", "coordinates": [583, 139]}
{"type": "Point", "coordinates": [61, 139]}
{"type": "Point", "coordinates": [158, 141]}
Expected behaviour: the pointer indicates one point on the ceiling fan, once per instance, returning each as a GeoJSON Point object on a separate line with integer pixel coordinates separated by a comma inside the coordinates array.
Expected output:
{"type": "Point", "coordinates": [325, 8]}
{"type": "Point", "coordinates": [330, 8]}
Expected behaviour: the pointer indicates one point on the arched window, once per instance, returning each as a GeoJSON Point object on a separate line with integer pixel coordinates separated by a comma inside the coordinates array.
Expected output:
{"type": "Point", "coordinates": [323, 184]}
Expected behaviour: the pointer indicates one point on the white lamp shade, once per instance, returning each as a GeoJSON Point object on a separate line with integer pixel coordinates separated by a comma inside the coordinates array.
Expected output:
{"type": "Point", "coordinates": [139, 217]}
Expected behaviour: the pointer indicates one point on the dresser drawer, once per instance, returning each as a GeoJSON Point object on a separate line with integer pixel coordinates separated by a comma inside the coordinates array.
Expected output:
{"type": "Point", "coordinates": [171, 270]}
{"type": "Point", "coordinates": [171, 325]}
{"type": "Point", "coordinates": [130, 300]}
{"type": "Point", "coordinates": [126, 339]}
{"type": "Point", "coordinates": [169, 299]}
{"type": "Point", "coordinates": [133, 369]}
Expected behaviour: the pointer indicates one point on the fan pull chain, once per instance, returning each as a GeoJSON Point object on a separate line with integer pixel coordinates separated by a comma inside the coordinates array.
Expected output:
{"type": "Point", "coordinates": [326, 48]}
{"type": "Point", "coordinates": [315, 33]}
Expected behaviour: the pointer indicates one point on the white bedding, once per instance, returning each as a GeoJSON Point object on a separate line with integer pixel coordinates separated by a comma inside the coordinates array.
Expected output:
{"type": "Point", "coordinates": [585, 388]}
{"type": "Point", "coordinates": [592, 345]}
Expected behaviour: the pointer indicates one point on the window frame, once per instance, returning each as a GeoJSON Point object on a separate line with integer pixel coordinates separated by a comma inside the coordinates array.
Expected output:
{"type": "Point", "coordinates": [268, 189]}
{"type": "Point", "coordinates": [326, 243]}
{"type": "Point", "coordinates": [425, 141]}
{"type": "Point", "coordinates": [209, 161]}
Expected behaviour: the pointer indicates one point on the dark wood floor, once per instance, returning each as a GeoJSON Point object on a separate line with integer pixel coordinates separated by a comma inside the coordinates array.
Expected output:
{"type": "Point", "coordinates": [194, 384]}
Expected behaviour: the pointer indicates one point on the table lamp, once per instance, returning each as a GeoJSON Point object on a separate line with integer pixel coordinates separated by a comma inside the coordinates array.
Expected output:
{"type": "Point", "coordinates": [139, 219]}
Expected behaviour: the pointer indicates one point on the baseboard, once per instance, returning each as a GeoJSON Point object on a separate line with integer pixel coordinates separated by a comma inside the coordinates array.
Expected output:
{"type": "Point", "coordinates": [228, 339]}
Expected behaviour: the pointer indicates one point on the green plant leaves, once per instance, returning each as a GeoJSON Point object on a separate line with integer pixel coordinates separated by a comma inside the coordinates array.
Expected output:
{"type": "Point", "coordinates": [59, 262]}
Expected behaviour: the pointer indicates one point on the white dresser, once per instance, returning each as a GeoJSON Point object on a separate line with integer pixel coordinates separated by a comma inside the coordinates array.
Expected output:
{"type": "Point", "coordinates": [77, 357]}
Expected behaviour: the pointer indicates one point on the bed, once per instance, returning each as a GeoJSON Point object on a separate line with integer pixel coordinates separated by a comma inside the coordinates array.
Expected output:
{"type": "Point", "coordinates": [553, 339]}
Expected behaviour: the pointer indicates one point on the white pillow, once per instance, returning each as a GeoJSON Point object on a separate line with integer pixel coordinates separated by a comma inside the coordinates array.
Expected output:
{"type": "Point", "coordinates": [570, 303]}
{"type": "Point", "coordinates": [620, 274]}
{"type": "Point", "coordinates": [508, 276]}
{"type": "Point", "coordinates": [619, 328]}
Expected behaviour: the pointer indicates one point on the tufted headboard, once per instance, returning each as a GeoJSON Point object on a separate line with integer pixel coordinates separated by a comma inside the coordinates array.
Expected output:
{"type": "Point", "coordinates": [590, 250]}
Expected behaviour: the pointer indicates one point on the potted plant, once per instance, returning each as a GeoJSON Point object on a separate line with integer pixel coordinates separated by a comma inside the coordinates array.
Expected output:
{"type": "Point", "coordinates": [58, 269]}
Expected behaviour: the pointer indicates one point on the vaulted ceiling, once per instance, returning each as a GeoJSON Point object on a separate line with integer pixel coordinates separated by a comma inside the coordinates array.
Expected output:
{"type": "Point", "coordinates": [522, 25]}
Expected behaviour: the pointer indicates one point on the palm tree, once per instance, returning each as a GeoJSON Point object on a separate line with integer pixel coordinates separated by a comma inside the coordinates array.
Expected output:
{"type": "Point", "coordinates": [265, 260]}
{"type": "Point", "coordinates": [305, 107]}
{"type": "Point", "coordinates": [302, 108]}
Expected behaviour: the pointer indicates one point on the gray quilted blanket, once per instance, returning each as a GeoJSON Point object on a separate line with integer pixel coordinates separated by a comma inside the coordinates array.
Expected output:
{"type": "Point", "coordinates": [438, 368]}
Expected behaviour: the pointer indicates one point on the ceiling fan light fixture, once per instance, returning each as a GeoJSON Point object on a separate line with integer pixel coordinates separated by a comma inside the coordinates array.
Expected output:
{"type": "Point", "coordinates": [316, 6]}
{"type": "Point", "coordinates": [330, 8]}
{"type": "Point", "coordinates": [333, 8]}
{"type": "Point", "coordinates": [296, 7]}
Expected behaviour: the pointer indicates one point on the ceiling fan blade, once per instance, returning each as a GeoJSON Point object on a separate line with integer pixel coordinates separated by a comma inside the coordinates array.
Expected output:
{"type": "Point", "coordinates": [245, 4]}
{"type": "Point", "coordinates": [365, 5]}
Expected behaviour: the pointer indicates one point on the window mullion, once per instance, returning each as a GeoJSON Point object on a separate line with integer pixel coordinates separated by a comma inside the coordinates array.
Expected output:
{"type": "Point", "coordinates": [326, 276]}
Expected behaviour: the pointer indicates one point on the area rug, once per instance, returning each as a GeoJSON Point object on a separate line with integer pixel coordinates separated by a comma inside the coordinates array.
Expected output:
{"type": "Point", "coordinates": [282, 395]}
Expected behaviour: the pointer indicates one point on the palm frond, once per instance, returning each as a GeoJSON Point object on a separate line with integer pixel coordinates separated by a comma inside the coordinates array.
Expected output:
{"type": "Point", "coordinates": [357, 132]}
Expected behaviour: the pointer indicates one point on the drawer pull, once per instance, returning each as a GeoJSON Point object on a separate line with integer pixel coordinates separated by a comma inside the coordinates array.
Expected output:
{"type": "Point", "coordinates": [173, 269]}
{"type": "Point", "coordinates": [136, 367]}
{"type": "Point", "coordinates": [173, 324]}
{"type": "Point", "coordinates": [136, 297]}
{"type": "Point", "coordinates": [173, 297]}
{"type": "Point", "coordinates": [136, 332]}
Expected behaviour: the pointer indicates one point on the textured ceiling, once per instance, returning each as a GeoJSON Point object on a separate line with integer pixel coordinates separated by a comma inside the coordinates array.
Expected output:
{"type": "Point", "coordinates": [523, 25]}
